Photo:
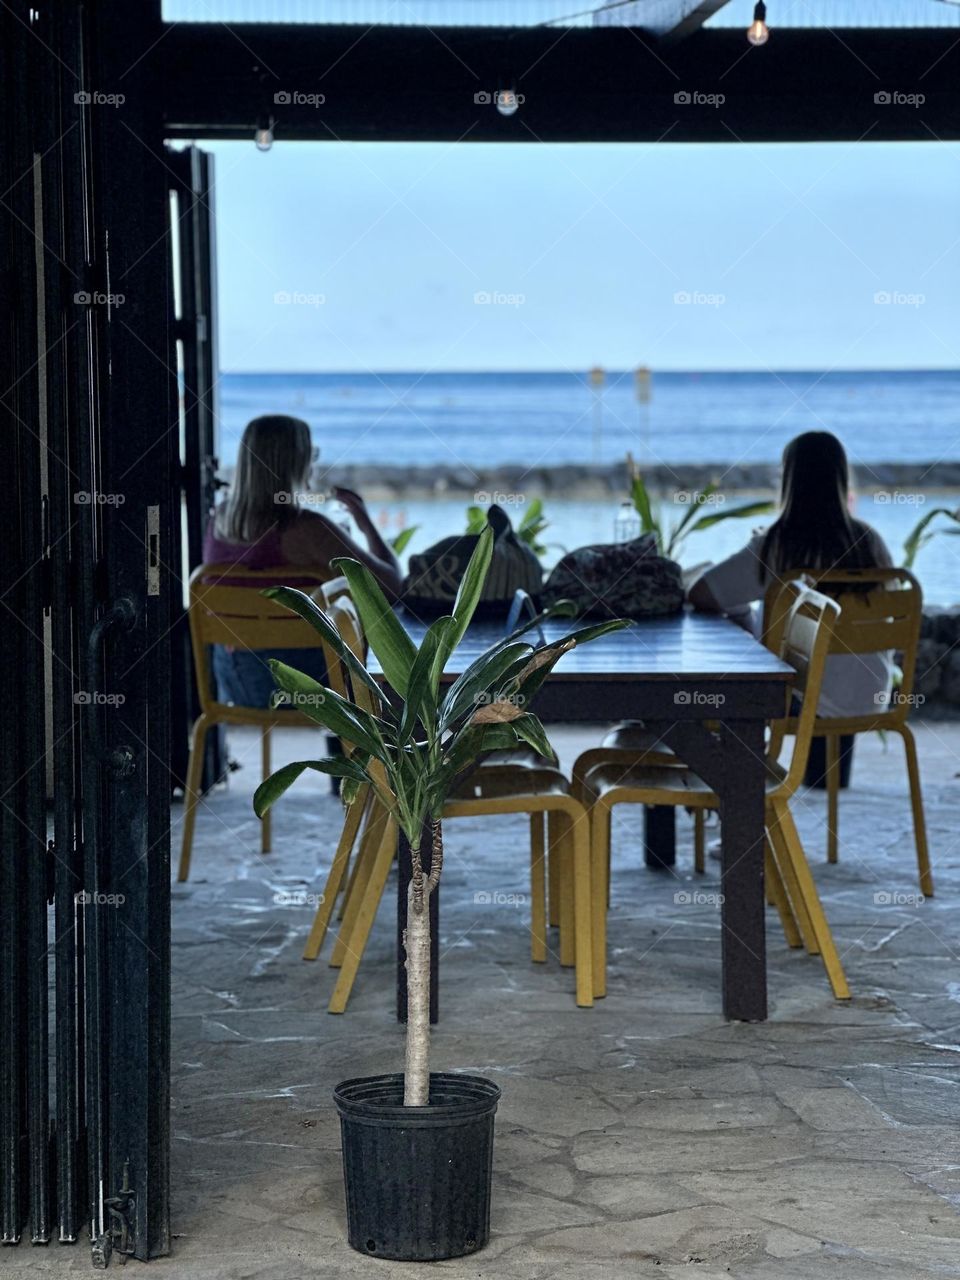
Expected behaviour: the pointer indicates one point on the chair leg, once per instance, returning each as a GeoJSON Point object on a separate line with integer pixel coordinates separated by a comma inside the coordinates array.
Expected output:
{"type": "Point", "coordinates": [265, 770]}
{"type": "Point", "coordinates": [191, 794]}
{"type": "Point", "coordinates": [833, 795]}
{"type": "Point", "coordinates": [338, 869]}
{"type": "Point", "coordinates": [363, 922]}
{"type": "Point", "coordinates": [553, 869]}
{"type": "Point", "coordinates": [352, 874]}
{"type": "Point", "coordinates": [366, 857]}
{"type": "Point", "coordinates": [784, 865]}
{"type": "Point", "coordinates": [808, 890]}
{"type": "Point", "coordinates": [565, 875]}
{"type": "Point", "coordinates": [600, 846]}
{"type": "Point", "coordinates": [587, 982]}
{"type": "Point", "coordinates": [916, 803]}
{"type": "Point", "coordinates": [699, 840]}
{"type": "Point", "coordinates": [777, 897]}
{"type": "Point", "coordinates": [538, 891]}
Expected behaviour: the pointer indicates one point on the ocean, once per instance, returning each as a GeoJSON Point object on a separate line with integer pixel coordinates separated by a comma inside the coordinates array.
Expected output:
{"type": "Point", "coordinates": [544, 419]}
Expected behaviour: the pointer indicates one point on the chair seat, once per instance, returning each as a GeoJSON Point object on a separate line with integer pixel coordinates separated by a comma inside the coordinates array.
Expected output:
{"type": "Point", "coordinates": [515, 758]}
{"type": "Point", "coordinates": [663, 785]}
{"type": "Point", "coordinates": [633, 735]}
{"type": "Point", "coordinates": [502, 784]}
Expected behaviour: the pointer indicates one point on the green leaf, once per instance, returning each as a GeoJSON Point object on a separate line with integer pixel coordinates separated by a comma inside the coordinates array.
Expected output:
{"type": "Point", "coordinates": [532, 525]}
{"type": "Point", "coordinates": [326, 707]}
{"type": "Point", "coordinates": [467, 747]}
{"type": "Point", "coordinates": [350, 790]}
{"type": "Point", "coordinates": [641, 501]}
{"type": "Point", "coordinates": [471, 586]}
{"type": "Point", "coordinates": [739, 512]}
{"type": "Point", "coordinates": [421, 700]}
{"type": "Point", "coordinates": [529, 728]}
{"type": "Point", "coordinates": [476, 520]}
{"type": "Point", "coordinates": [384, 634]}
{"type": "Point", "coordinates": [699, 497]}
{"type": "Point", "coordinates": [400, 543]}
{"type": "Point", "coordinates": [272, 788]}
{"type": "Point", "coordinates": [468, 597]}
{"type": "Point", "coordinates": [481, 676]}
{"type": "Point", "coordinates": [532, 514]}
{"type": "Point", "coordinates": [919, 536]}
{"type": "Point", "coordinates": [546, 657]}
{"type": "Point", "coordinates": [308, 609]}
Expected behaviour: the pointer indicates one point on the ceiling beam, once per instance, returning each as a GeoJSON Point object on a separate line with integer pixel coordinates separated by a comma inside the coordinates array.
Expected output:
{"type": "Point", "coordinates": [324, 83]}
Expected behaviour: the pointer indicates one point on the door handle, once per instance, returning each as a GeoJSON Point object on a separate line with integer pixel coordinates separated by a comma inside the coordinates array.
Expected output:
{"type": "Point", "coordinates": [122, 615]}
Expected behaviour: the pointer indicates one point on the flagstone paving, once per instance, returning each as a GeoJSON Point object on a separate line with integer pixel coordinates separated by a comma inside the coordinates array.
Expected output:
{"type": "Point", "coordinates": [644, 1137]}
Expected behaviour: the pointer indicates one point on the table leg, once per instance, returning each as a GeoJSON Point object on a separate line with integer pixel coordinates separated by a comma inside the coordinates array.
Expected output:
{"type": "Point", "coordinates": [743, 943]}
{"type": "Point", "coordinates": [660, 835]}
{"type": "Point", "coordinates": [404, 872]}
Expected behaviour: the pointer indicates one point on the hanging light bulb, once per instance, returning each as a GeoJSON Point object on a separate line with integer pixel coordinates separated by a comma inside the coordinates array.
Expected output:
{"type": "Point", "coordinates": [507, 102]}
{"type": "Point", "coordinates": [264, 134]}
{"type": "Point", "coordinates": [506, 98]}
{"type": "Point", "coordinates": [758, 32]}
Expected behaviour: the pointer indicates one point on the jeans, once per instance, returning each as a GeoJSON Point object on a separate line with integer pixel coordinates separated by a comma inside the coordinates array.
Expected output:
{"type": "Point", "coordinates": [243, 677]}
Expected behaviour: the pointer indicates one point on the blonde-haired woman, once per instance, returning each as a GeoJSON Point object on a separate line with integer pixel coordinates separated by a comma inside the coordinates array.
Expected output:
{"type": "Point", "coordinates": [263, 525]}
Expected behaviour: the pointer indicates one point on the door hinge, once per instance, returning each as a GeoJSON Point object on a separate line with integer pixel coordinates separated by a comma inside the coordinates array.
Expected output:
{"type": "Point", "coordinates": [119, 1235]}
{"type": "Point", "coordinates": [153, 551]}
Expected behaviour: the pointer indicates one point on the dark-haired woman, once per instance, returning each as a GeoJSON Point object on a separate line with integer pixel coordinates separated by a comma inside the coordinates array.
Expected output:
{"type": "Point", "coordinates": [813, 531]}
{"type": "Point", "coordinates": [265, 524]}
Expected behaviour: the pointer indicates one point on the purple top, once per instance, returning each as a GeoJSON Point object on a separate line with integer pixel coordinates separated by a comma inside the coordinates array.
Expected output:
{"type": "Point", "coordinates": [265, 553]}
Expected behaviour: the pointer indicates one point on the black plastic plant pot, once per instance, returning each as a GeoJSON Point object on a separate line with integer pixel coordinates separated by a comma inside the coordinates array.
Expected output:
{"type": "Point", "coordinates": [417, 1178]}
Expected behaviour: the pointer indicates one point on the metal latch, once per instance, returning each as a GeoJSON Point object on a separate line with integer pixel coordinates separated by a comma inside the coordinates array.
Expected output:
{"type": "Point", "coordinates": [153, 551]}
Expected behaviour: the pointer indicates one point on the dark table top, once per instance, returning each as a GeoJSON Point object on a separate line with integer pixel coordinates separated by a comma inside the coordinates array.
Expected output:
{"type": "Point", "coordinates": [687, 646]}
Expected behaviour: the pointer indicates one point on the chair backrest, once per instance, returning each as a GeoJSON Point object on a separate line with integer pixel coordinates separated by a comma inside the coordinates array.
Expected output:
{"type": "Point", "coordinates": [345, 618]}
{"type": "Point", "coordinates": [326, 596]}
{"type": "Point", "coordinates": [235, 613]}
{"type": "Point", "coordinates": [808, 624]}
{"type": "Point", "coordinates": [881, 611]}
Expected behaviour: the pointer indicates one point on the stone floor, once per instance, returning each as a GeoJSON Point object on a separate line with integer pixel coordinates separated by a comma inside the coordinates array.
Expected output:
{"type": "Point", "coordinates": [644, 1137]}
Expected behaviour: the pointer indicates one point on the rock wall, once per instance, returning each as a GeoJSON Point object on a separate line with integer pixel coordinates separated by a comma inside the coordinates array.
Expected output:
{"type": "Point", "coordinates": [383, 482]}
{"type": "Point", "coordinates": [938, 663]}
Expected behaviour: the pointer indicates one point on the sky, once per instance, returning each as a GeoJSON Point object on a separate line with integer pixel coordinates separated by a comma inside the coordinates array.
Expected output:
{"type": "Point", "coordinates": [431, 256]}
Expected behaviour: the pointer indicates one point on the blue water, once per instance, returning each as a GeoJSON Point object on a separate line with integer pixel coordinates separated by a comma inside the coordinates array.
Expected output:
{"type": "Point", "coordinates": [546, 419]}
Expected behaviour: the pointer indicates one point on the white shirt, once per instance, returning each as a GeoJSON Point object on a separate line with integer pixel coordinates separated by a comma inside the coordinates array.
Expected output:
{"type": "Point", "coordinates": [854, 684]}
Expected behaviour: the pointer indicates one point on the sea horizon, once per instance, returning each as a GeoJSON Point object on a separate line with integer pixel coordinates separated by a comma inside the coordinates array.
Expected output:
{"type": "Point", "coordinates": [546, 418]}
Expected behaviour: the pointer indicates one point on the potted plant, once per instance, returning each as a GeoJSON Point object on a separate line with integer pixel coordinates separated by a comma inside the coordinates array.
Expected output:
{"type": "Point", "coordinates": [417, 1147]}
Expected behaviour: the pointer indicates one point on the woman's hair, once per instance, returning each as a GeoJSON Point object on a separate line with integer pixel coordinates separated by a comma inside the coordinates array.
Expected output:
{"type": "Point", "coordinates": [273, 463]}
{"type": "Point", "coordinates": [815, 529]}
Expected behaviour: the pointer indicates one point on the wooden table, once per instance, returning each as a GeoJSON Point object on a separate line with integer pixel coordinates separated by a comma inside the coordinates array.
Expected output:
{"type": "Point", "coordinates": [674, 674]}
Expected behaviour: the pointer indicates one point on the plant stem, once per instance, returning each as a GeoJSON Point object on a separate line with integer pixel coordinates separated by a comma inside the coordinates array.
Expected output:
{"type": "Point", "coordinates": [416, 941]}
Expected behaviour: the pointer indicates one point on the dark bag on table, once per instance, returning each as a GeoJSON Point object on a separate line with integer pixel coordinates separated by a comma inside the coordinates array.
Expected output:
{"type": "Point", "coordinates": [617, 580]}
{"type": "Point", "coordinates": [431, 584]}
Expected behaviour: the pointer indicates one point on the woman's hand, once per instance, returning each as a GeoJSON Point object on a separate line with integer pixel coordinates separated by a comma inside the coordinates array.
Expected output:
{"type": "Point", "coordinates": [354, 503]}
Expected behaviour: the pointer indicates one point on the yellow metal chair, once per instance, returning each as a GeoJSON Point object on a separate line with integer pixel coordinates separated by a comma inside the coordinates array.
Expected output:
{"type": "Point", "coordinates": [226, 607]}
{"type": "Point", "coordinates": [807, 630]}
{"type": "Point", "coordinates": [343, 878]}
{"type": "Point", "coordinates": [886, 618]}
{"type": "Point", "coordinates": [340, 875]}
{"type": "Point", "coordinates": [631, 745]}
{"type": "Point", "coordinates": [497, 790]}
